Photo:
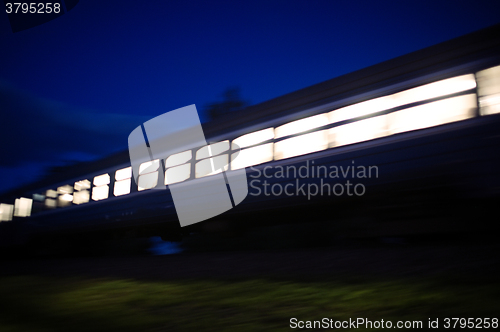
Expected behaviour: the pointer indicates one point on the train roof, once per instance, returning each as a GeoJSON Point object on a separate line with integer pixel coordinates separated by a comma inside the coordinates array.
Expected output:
{"type": "Point", "coordinates": [474, 46]}
{"type": "Point", "coordinates": [480, 45]}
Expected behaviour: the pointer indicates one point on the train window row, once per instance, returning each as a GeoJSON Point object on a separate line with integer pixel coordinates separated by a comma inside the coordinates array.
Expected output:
{"type": "Point", "coordinates": [429, 105]}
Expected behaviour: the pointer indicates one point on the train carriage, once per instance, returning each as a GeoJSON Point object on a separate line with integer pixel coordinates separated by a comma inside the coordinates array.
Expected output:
{"type": "Point", "coordinates": [426, 125]}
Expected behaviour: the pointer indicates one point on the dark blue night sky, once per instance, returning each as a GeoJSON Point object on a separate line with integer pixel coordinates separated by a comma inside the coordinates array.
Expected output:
{"type": "Point", "coordinates": [73, 88]}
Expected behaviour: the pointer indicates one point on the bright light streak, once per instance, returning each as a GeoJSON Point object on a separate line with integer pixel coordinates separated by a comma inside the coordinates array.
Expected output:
{"type": "Point", "coordinates": [99, 193]}
{"type": "Point", "coordinates": [421, 93]}
{"type": "Point", "coordinates": [435, 89]}
{"type": "Point", "coordinates": [301, 125]}
{"type": "Point", "coordinates": [489, 90]}
{"type": "Point", "coordinates": [362, 109]}
{"type": "Point", "coordinates": [359, 131]}
{"type": "Point", "coordinates": [22, 207]}
{"type": "Point", "coordinates": [300, 145]}
{"type": "Point", "coordinates": [81, 197]}
{"type": "Point", "coordinates": [124, 173]}
{"type": "Point", "coordinates": [433, 114]}
{"type": "Point", "coordinates": [252, 156]}
{"type": "Point", "coordinates": [66, 197]}
{"type": "Point", "coordinates": [122, 187]}
{"type": "Point", "coordinates": [66, 189]}
{"type": "Point", "coordinates": [253, 138]}
{"type": "Point", "coordinates": [6, 211]}
{"type": "Point", "coordinates": [50, 203]}
{"type": "Point", "coordinates": [81, 185]}
{"type": "Point", "coordinates": [101, 180]}
{"type": "Point", "coordinates": [51, 193]}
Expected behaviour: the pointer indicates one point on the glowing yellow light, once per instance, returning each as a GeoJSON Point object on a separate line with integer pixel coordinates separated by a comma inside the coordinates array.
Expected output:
{"type": "Point", "coordinates": [22, 207]}
{"type": "Point", "coordinates": [178, 158]}
{"type": "Point", "coordinates": [99, 193]}
{"type": "Point", "coordinates": [421, 93]}
{"type": "Point", "coordinates": [81, 197]}
{"type": "Point", "coordinates": [66, 197]}
{"type": "Point", "coordinates": [435, 89]}
{"type": "Point", "coordinates": [253, 138]}
{"type": "Point", "coordinates": [212, 150]}
{"type": "Point", "coordinates": [359, 131]}
{"type": "Point", "coordinates": [6, 211]}
{"type": "Point", "coordinates": [51, 193]}
{"type": "Point", "coordinates": [301, 125]}
{"type": "Point", "coordinates": [300, 145]}
{"type": "Point", "coordinates": [101, 180]}
{"type": "Point", "coordinates": [66, 189]}
{"type": "Point", "coordinates": [124, 173]}
{"type": "Point", "coordinates": [122, 187]}
{"type": "Point", "coordinates": [362, 109]}
{"type": "Point", "coordinates": [81, 185]}
{"type": "Point", "coordinates": [50, 203]}
{"type": "Point", "coordinates": [489, 90]}
{"type": "Point", "coordinates": [252, 156]}
{"type": "Point", "coordinates": [433, 114]}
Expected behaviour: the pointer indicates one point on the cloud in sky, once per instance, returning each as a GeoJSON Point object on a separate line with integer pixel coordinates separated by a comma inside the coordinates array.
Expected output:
{"type": "Point", "coordinates": [37, 133]}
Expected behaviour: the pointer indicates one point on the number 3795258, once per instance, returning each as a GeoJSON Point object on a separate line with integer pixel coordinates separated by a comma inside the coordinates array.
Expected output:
{"type": "Point", "coordinates": [471, 323]}
{"type": "Point", "coordinates": [32, 7]}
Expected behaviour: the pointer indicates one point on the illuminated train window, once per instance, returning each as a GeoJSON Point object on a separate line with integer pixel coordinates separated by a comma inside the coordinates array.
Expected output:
{"type": "Point", "coordinates": [253, 155]}
{"type": "Point", "coordinates": [215, 162]}
{"type": "Point", "coordinates": [362, 109]}
{"type": "Point", "coordinates": [425, 106]}
{"type": "Point", "coordinates": [6, 212]}
{"type": "Point", "coordinates": [422, 116]}
{"type": "Point", "coordinates": [82, 185]}
{"type": "Point", "coordinates": [488, 82]}
{"type": "Point", "coordinates": [81, 194]}
{"type": "Point", "coordinates": [359, 131]}
{"type": "Point", "coordinates": [177, 167]}
{"type": "Point", "coordinates": [300, 145]}
{"type": "Point", "coordinates": [301, 125]}
{"type": "Point", "coordinates": [51, 193]}
{"type": "Point", "coordinates": [425, 92]}
{"type": "Point", "coordinates": [122, 181]}
{"type": "Point", "coordinates": [434, 90]}
{"type": "Point", "coordinates": [101, 187]}
{"type": "Point", "coordinates": [65, 195]}
{"type": "Point", "coordinates": [433, 114]}
{"type": "Point", "coordinates": [413, 118]}
{"type": "Point", "coordinates": [22, 207]}
{"type": "Point", "coordinates": [50, 200]}
{"type": "Point", "coordinates": [303, 144]}
{"type": "Point", "coordinates": [148, 175]}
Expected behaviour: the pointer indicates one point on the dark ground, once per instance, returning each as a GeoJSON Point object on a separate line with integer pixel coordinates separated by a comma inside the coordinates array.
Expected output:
{"type": "Point", "coordinates": [389, 258]}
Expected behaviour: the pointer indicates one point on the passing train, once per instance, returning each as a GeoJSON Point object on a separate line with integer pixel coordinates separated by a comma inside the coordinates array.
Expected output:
{"type": "Point", "coordinates": [408, 145]}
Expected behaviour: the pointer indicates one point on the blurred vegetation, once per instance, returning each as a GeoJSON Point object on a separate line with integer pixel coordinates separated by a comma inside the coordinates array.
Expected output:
{"type": "Point", "coordinates": [231, 101]}
{"type": "Point", "coordinates": [69, 304]}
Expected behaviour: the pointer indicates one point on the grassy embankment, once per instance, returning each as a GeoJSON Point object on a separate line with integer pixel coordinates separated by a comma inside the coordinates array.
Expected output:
{"type": "Point", "coordinates": [82, 304]}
